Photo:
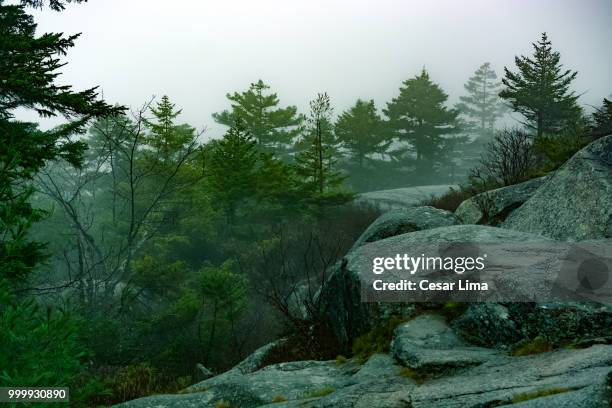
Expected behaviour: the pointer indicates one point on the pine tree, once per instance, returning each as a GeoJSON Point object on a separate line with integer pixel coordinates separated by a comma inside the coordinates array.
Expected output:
{"type": "Point", "coordinates": [167, 138]}
{"type": "Point", "coordinates": [28, 68]}
{"type": "Point", "coordinates": [315, 163]}
{"type": "Point", "coordinates": [232, 169]}
{"type": "Point", "coordinates": [418, 116]}
{"type": "Point", "coordinates": [482, 104]}
{"type": "Point", "coordinates": [272, 127]}
{"type": "Point", "coordinates": [361, 130]}
{"type": "Point", "coordinates": [602, 119]}
{"type": "Point", "coordinates": [539, 90]}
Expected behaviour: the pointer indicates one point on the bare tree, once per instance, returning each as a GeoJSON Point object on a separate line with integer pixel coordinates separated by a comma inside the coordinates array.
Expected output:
{"type": "Point", "coordinates": [140, 186]}
{"type": "Point", "coordinates": [508, 160]}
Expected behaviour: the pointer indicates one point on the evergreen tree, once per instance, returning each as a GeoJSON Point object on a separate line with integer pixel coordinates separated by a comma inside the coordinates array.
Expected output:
{"type": "Point", "coordinates": [539, 90]}
{"type": "Point", "coordinates": [231, 171]}
{"type": "Point", "coordinates": [602, 119]}
{"type": "Point", "coordinates": [315, 164]}
{"type": "Point", "coordinates": [419, 117]}
{"type": "Point", "coordinates": [272, 127]}
{"type": "Point", "coordinates": [28, 68]}
{"type": "Point", "coordinates": [482, 104]}
{"type": "Point", "coordinates": [361, 130]}
{"type": "Point", "coordinates": [165, 137]}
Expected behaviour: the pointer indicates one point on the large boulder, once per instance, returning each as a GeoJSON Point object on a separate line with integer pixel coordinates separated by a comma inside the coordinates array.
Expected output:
{"type": "Point", "coordinates": [557, 323]}
{"type": "Point", "coordinates": [493, 207]}
{"type": "Point", "coordinates": [401, 221]}
{"type": "Point", "coordinates": [576, 202]}
{"type": "Point", "coordinates": [428, 343]}
{"type": "Point", "coordinates": [403, 197]}
{"type": "Point", "coordinates": [341, 296]}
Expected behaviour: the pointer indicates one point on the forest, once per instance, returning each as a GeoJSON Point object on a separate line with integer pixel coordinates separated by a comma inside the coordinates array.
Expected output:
{"type": "Point", "coordinates": [137, 253]}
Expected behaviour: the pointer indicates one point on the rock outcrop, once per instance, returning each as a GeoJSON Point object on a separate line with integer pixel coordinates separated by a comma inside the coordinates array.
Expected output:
{"type": "Point", "coordinates": [402, 197]}
{"type": "Point", "coordinates": [401, 221]}
{"type": "Point", "coordinates": [428, 343]}
{"type": "Point", "coordinates": [493, 207]}
{"type": "Point", "coordinates": [576, 203]}
{"type": "Point", "coordinates": [341, 296]}
{"type": "Point", "coordinates": [535, 354]}
{"type": "Point", "coordinates": [578, 378]}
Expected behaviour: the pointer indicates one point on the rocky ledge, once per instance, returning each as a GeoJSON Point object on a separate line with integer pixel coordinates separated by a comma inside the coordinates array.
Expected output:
{"type": "Point", "coordinates": [490, 354]}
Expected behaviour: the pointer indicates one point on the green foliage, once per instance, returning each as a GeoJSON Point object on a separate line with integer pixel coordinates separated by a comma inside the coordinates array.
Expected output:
{"type": "Point", "coordinates": [602, 119]}
{"type": "Point", "coordinates": [340, 359]}
{"type": "Point", "coordinates": [224, 297]}
{"type": "Point", "coordinates": [557, 149]}
{"type": "Point", "coordinates": [526, 396]}
{"type": "Point", "coordinates": [535, 346]}
{"type": "Point", "coordinates": [539, 90]}
{"type": "Point", "coordinates": [278, 398]}
{"type": "Point", "coordinates": [377, 340]}
{"type": "Point", "coordinates": [40, 348]}
{"type": "Point", "coordinates": [165, 137]}
{"type": "Point", "coordinates": [482, 104]}
{"type": "Point", "coordinates": [37, 348]}
{"type": "Point", "coordinates": [418, 116]}
{"type": "Point", "coordinates": [315, 163]}
{"type": "Point", "coordinates": [361, 130]}
{"type": "Point", "coordinates": [273, 128]}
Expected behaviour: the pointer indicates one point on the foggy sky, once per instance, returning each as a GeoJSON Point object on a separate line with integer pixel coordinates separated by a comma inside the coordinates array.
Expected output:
{"type": "Point", "coordinates": [196, 51]}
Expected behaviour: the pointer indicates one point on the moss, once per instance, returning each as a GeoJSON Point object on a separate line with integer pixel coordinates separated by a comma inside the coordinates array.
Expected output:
{"type": "Point", "coordinates": [419, 376]}
{"type": "Point", "coordinates": [319, 392]}
{"type": "Point", "coordinates": [536, 346]}
{"type": "Point", "coordinates": [340, 359]}
{"type": "Point", "coordinates": [278, 398]}
{"type": "Point", "coordinates": [452, 310]}
{"type": "Point", "coordinates": [377, 340]}
{"type": "Point", "coordinates": [541, 393]}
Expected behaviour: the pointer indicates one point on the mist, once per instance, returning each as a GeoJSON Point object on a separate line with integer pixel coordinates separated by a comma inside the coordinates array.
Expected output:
{"type": "Point", "coordinates": [197, 51]}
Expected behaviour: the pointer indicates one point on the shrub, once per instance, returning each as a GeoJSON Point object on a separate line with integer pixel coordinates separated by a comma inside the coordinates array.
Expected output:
{"type": "Point", "coordinates": [509, 159]}
{"type": "Point", "coordinates": [557, 149]}
{"type": "Point", "coordinates": [536, 346]}
{"type": "Point", "coordinates": [451, 199]}
{"type": "Point", "coordinates": [340, 359]}
{"type": "Point", "coordinates": [378, 339]}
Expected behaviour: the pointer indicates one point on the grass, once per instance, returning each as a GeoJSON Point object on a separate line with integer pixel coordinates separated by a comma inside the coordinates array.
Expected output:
{"type": "Point", "coordinates": [536, 346]}
{"type": "Point", "coordinates": [377, 340]}
{"type": "Point", "coordinates": [538, 394]}
{"type": "Point", "coordinates": [320, 392]}
{"type": "Point", "coordinates": [278, 398]}
{"type": "Point", "coordinates": [419, 376]}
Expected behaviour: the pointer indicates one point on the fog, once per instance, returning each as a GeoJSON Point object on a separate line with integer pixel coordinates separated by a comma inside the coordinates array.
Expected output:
{"type": "Point", "coordinates": [197, 51]}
